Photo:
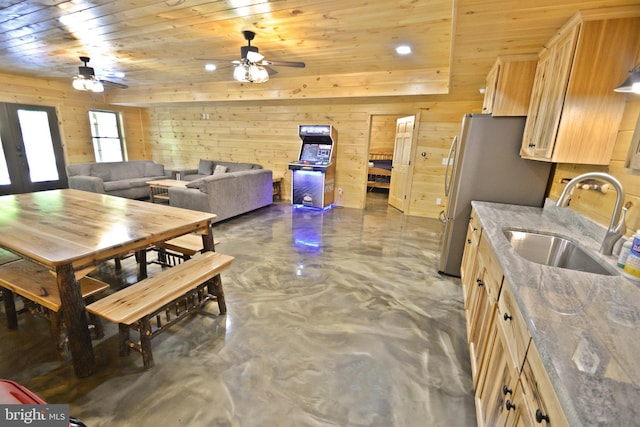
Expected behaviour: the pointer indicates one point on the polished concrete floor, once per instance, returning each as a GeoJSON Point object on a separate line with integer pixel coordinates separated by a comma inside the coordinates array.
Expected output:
{"type": "Point", "coordinates": [336, 318]}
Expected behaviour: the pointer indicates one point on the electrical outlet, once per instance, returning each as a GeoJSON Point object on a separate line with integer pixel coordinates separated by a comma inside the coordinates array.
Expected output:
{"type": "Point", "coordinates": [438, 201]}
{"type": "Point", "coordinates": [340, 191]}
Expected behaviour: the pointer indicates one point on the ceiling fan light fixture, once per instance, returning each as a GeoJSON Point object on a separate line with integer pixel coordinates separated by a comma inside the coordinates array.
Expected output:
{"type": "Point", "coordinates": [250, 73]}
{"type": "Point", "coordinates": [87, 84]}
{"type": "Point", "coordinates": [258, 74]}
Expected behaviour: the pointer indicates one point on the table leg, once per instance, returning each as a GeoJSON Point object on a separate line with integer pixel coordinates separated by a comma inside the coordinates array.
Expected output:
{"type": "Point", "coordinates": [141, 258]}
{"type": "Point", "coordinates": [10, 308]}
{"type": "Point", "coordinates": [215, 284]}
{"type": "Point", "coordinates": [75, 319]}
{"type": "Point", "coordinates": [207, 240]}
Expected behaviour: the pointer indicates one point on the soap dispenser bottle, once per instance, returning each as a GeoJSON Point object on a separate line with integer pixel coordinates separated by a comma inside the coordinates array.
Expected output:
{"type": "Point", "coordinates": [625, 249]}
{"type": "Point", "coordinates": [632, 263]}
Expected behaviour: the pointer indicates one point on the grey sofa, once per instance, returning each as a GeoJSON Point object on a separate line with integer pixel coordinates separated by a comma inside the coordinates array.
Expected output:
{"type": "Point", "coordinates": [124, 179]}
{"type": "Point", "coordinates": [242, 188]}
{"type": "Point", "coordinates": [208, 167]}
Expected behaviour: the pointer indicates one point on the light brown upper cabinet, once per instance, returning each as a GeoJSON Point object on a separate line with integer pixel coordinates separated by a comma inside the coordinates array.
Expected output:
{"type": "Point", "coordinates": [574, 114]}
{"type": "Point", "coordinates": [509, 84]}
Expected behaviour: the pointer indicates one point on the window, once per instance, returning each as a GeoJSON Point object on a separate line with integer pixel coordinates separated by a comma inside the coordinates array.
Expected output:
{"type": "Point", "coordinates": [108, 144]}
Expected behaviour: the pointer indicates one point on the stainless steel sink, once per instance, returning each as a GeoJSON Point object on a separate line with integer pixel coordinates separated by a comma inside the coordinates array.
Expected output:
{"type": "Point", "coordinates": [553, 250]}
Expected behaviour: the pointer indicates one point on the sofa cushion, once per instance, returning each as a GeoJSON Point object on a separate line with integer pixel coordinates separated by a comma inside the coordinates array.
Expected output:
{"type": "Point", "coordinates": [153, 169]}
{"type": "Point", "coordinates": [102, 171]}
{"type": "Point", "coordinates": [237, 167]}
{"type": "Point", "coordinates": [127, 170]}
{"type": "Point", "coordinates": [205, 167]}
{"type": "Point", "coordinates": [142, 181]}
{"type": "Point", "coordinates": [116, 185]}
{"type": "Point", "coordinates": [83, 169]}
{"type": "Point", "coordinates": [219, 169]}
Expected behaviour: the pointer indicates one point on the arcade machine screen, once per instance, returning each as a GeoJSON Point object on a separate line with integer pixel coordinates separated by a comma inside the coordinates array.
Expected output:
{"type": "Point", "coordinates": [316, 153]}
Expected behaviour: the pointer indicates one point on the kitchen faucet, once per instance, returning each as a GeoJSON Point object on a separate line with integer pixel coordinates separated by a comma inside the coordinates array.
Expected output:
{"type": "Point", "coordinates": [617, 227]}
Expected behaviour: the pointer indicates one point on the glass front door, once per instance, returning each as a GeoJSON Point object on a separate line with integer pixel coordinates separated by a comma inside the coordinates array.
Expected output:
{"type": "Point", "coordinates": [31, 158]}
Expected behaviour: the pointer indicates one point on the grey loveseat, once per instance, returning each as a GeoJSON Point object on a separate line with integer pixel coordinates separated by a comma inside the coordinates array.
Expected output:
{"type": "Point", "coordinates": [124, 179]}
{"type": "Point", "coordinates": [243, 187]}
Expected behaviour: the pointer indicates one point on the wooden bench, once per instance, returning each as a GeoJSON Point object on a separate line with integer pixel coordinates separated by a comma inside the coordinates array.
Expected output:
{"type": "Point", "coordinates": [36, 284]}
{"type": "Point", "coordinates": [174, 251]}
{"type": "Point", "coordinates": [6, 256]}
{"type": "Point", "coordinates": [174, 293]}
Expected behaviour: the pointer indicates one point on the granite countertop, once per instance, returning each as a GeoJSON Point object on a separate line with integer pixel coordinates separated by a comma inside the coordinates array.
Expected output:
{"type": "Point", "coordinates": [585, 326]}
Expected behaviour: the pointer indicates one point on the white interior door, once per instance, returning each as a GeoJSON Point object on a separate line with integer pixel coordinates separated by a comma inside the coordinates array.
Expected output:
{"type": "Point", "coordinates": [402, 150]}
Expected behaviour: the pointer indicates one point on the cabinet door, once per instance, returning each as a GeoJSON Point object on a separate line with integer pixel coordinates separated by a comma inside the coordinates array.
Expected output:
{"type": "Point", "coordinates": [479, 321]}
{"type": "Point", "coordinates": [519, 412]}
{"type": "Point", "coordinates": [494, 394]}
{"type": "Point", "coordinates": [537, 108]}
{"type": "Point", "coordinates": [550, 87]}
{"type": "Point", "coordinates": [490, 87]}
{"type": "Point", "coordinates": [513, 326]}
{"type": "Point", "coordinates": [541, 401]}
{"type": "Point", "coordinates": [468, 268]}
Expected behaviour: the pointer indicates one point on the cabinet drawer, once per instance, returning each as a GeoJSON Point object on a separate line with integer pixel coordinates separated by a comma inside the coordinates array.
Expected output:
{"type": "Point", "coordinates": [493, 274]}
{"type": "Point", "coordinates": [540, 397]}
{"type": "Point", "coordinates": [514, 327]}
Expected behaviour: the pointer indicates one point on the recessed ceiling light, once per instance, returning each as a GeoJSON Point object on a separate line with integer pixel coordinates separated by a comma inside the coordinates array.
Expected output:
{"type": "Point", "coordinates": [403, 50]}
{"type": "Point", "coordinates": [210, 67]}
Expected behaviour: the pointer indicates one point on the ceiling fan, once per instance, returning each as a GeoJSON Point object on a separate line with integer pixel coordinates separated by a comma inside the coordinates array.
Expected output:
{"type": "Point", "coordinates": [253, 67]}
{"type": "Point", "coordinates": [86, 79]}
{"type": "Point", "coordinates": [252, 54]}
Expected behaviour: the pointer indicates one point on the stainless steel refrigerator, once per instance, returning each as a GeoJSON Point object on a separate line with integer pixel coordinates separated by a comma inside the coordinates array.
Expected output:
{"type": "Point", "coordinates": [485, 164]}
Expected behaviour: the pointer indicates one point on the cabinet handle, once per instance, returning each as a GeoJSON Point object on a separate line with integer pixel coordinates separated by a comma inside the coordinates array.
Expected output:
{"type": "Point", "coordinates": [475, 228]}
{"type": "Point", "coordinates": [541, 417]}
{"type": "Point", "coordinates": [510, 405]}
{"type": "Point", "coordinates": [479, 282]}
{"type": "Point", "coordinates": [469, 241]}
{"type": "Point", "coordinates": [507, 317]}
{"type": "Point", "coordinates": [506, 390]}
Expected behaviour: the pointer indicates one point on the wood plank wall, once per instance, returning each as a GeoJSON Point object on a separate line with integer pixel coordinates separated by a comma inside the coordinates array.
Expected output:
{"type": "Point", "coordinates": [72, 109]}
{"type": "Point", "coordinates": [266, 133]}
{"type": "Point", "coordinates": [383, 133]}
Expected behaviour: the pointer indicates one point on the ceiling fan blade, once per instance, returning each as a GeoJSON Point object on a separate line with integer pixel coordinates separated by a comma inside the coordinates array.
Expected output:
{"type": "Point", "coordinates": [114, 84]}
{"type": "Point", "coordinates": [270, 70]}
{"type": "Point", "coordinates": [284, 63]}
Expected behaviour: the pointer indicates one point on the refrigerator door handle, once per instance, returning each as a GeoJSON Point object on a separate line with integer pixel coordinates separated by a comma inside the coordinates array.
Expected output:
{"type": "Point", "coordinates": [442, 217]}
{"type": "Point", "coordinates": [447, 178]}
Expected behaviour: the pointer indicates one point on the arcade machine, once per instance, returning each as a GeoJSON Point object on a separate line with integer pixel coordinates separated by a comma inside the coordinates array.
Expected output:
{"type": "Point", "coordinates": [313, 174]}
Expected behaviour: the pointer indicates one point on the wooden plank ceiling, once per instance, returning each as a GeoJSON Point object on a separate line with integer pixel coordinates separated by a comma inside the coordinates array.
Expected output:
{"type": "Point", "coordinates": [347, 45]}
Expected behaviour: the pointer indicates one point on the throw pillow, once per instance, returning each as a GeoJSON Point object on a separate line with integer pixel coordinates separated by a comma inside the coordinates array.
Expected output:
{"type": "Point", "coordinates": [205, 167]}
{"type": "Point", "coordinates": [219, 169]}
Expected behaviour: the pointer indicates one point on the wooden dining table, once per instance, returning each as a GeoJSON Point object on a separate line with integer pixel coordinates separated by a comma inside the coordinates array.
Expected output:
{"type": "Point", "coordinates": [69, 231]}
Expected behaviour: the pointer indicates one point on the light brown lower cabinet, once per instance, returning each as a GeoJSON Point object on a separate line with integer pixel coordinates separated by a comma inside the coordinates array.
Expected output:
{"type": "Point", "coordinates": [494, 393]}
{"type": "Point", "coordinates": [511, 385]}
